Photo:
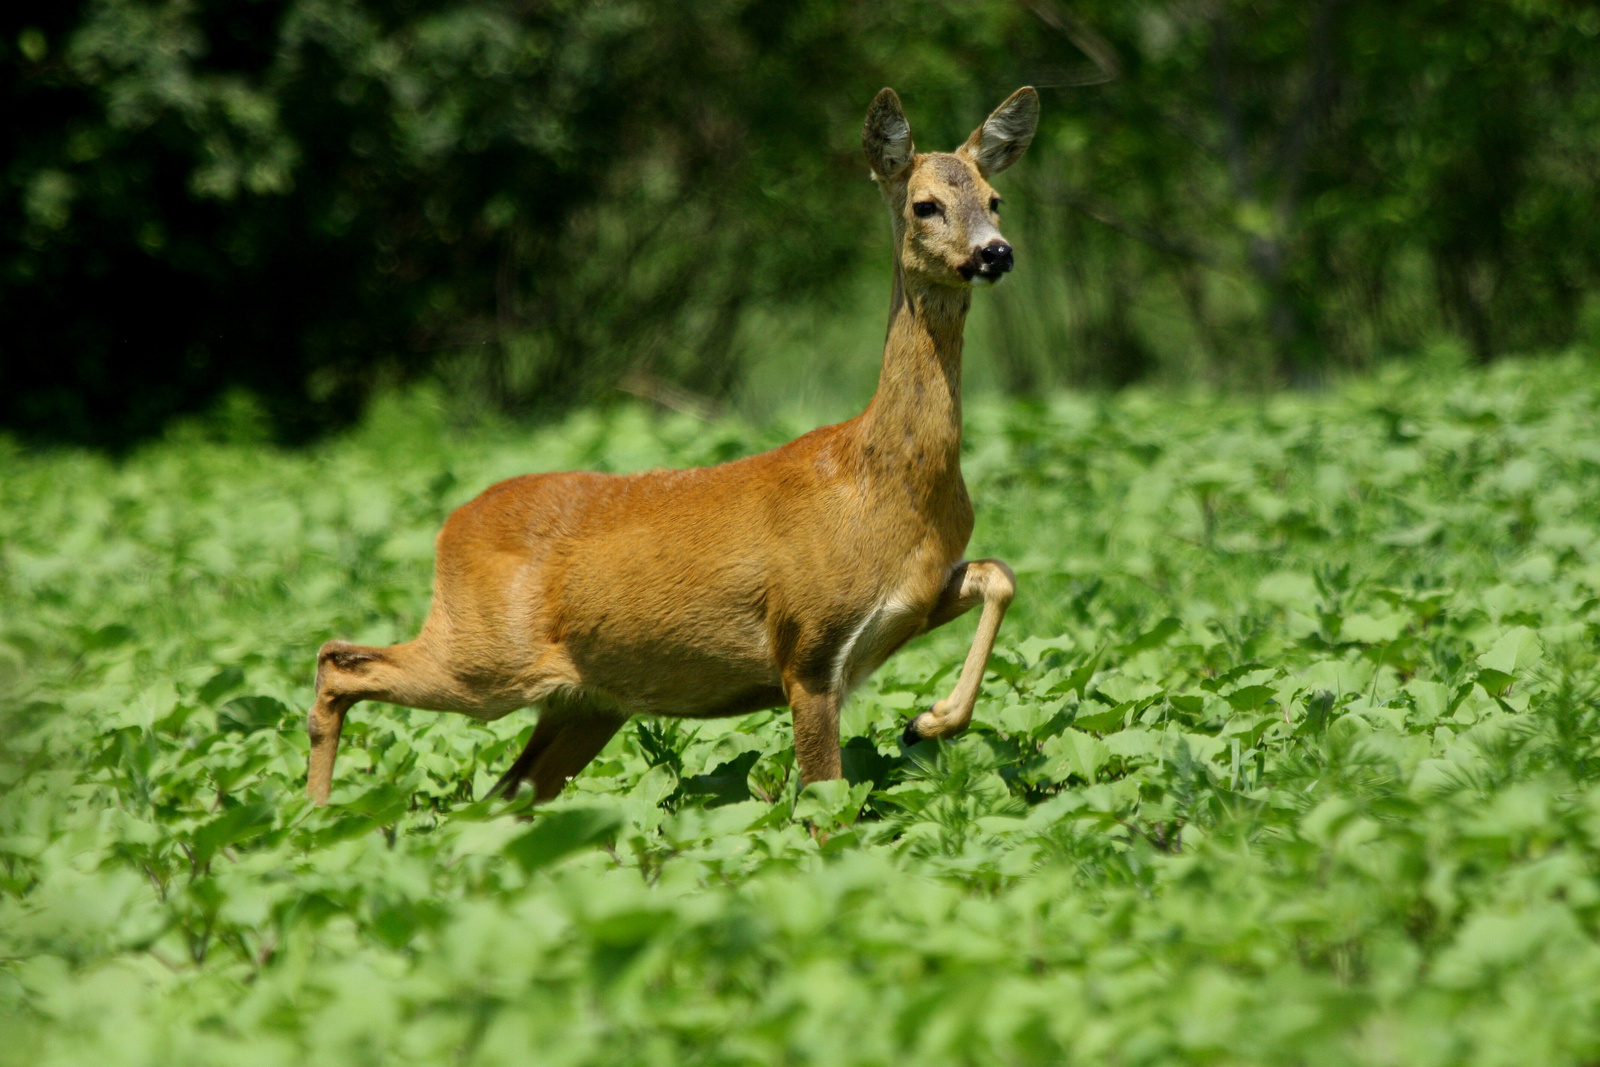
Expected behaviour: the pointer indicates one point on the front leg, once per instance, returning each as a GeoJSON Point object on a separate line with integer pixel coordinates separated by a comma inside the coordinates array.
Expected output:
{"type": "Point", "coordinates": [990, 582]}
{"type": "Point", "coordinates": [816, 732]}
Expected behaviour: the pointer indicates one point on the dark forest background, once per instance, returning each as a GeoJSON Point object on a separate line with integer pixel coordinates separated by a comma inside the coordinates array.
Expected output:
{"type": "Point", "coordinates": [302, 201]}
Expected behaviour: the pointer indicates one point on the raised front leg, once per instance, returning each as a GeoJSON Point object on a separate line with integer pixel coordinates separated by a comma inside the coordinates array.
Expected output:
{"type": "Point", "coordinates": [991, 583]}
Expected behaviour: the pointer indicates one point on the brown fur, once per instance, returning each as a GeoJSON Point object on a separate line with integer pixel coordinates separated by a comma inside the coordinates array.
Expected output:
{"type": "Point", "coordinates": [787, 576]}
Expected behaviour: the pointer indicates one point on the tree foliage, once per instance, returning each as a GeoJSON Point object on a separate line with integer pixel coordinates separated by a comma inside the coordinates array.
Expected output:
{"type": "Point", "coordinates": [1311, 185]}
{"type": "Point", "coordinates": [307, 198]}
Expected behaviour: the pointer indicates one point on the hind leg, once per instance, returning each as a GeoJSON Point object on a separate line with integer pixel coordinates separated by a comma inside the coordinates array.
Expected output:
{"type": "Point", "coordinates": [406, 674]}
{"type": "Point", "coordinates": [324, 724]}
{"type": "Point", "coordinates": [568, 735]}
{"type": "Point", "coordinates": [342, 679]}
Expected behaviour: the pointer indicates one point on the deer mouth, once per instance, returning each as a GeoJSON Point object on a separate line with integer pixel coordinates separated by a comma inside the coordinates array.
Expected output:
{"type": "Point", "coordinates": [978, 274]}
{"type": "Point", "coordinates": [974, 271]}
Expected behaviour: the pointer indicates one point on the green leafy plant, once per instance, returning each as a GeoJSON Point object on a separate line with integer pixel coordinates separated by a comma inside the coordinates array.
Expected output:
{"type": "Point", "coordinates": [1258, 777]}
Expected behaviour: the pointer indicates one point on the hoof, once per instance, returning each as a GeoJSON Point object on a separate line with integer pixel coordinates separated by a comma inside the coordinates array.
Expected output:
{"type": "Point", "coordinates": [910, 736]}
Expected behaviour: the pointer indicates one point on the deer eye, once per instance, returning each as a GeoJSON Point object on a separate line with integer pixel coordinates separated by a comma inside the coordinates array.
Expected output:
{"type": "Point", "coordinates": [925, 209]}
{"type": "Point", "coordinates": [994, 205]}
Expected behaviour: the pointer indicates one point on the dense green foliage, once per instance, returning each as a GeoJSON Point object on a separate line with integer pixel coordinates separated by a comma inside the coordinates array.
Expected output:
{"type": "Point", "coordinates": [1289, 756]}
{"type": "Point", "coordinates": [539, 201]}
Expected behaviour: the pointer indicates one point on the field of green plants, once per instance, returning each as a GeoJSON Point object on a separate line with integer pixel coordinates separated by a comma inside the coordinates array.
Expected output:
{"type": "Point", "coordinates": [1288, 755]}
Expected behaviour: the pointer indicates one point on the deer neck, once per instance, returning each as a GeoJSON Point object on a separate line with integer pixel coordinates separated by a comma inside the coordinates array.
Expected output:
{"type": "Point", "coordinates": [915, 416]}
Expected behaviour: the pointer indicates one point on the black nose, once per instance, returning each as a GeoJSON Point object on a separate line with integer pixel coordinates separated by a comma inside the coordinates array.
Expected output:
{"type": "Point", "coordinates": [996, 257]}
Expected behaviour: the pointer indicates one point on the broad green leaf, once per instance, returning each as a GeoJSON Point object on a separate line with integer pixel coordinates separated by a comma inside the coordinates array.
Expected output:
{"type": "Point", "coordinates": [231, 827]}
{"type": "Point", "coordinates": [1034, 648]}
{"type": "Point", "coordinates": [1099, 718]}
{"type": "Point", "coordinates": [559, 832]}
{"type": "Point", "coordinates": [252, 713]}
{"type": "Point", "coordinates": [1250, 697]}
{"type": "Point", "coordinates": [1518, 476]}
{"type": "Point", "coordinates": [224, 681]}
{"type": "Point", "coordinates": [1287, 588]}
{"type": "Point", "coordinates": [1136, 743]}
{"type": "Point", "coordinates": [724, 784]}
{"type": "Point", "coordinates": [1076, 753]}
{"type": "Point", "coordinates": [1030, 717]}
{"type": "Point", "coordinates": [1413, 536]}
{"type": "Point", "coordinates": [1078, 680]}
{"type": "Point", "coordinates": [836, 801]}
{"type": "Point", "coordinates": [1516, 650]}
{"type": "Point", "coordinates": [1373, 629]}
{"type": "Point", "coordinates": [1200, 747]}
{"type": "Point", "coordinates": [1154, 637]}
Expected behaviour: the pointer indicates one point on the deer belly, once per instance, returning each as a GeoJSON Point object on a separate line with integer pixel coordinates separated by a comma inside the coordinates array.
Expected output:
{"type": "Point", "coordinates": [685, 648]}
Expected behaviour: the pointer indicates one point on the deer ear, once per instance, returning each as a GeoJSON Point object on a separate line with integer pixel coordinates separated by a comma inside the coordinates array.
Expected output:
{"type": "Point", "coordinates": [1005, 134]}
{"type": "Point", "coordinates": [887, 137]}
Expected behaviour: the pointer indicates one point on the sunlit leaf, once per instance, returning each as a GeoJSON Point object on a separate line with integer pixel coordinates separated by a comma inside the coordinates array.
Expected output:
{"type": "Point", "coordinates": [1078, 754]}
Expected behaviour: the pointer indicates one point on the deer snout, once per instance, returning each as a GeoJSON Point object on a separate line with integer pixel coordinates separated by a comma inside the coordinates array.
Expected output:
{"type": "Point", "coordinates": [995, 258]}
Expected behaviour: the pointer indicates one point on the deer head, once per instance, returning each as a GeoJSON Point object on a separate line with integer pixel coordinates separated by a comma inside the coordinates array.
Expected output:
{"type": "Point", "coordinates": [946, 215]}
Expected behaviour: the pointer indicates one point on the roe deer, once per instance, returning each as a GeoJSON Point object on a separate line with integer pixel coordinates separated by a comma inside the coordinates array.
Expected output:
{"type": "Point", "coordinates": [786, 577]}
